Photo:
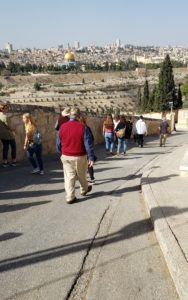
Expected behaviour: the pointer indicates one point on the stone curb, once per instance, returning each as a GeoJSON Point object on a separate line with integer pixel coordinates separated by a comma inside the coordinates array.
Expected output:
{"type": "Point", "coordinates": [175, 259]}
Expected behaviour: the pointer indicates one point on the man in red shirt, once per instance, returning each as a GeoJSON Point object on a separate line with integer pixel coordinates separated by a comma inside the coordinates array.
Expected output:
{"type": "Point", "coordinates": [76, 146]}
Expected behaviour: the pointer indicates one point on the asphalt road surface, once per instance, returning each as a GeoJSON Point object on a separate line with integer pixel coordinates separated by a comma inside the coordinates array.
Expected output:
{"type": "Point", "coordinates": [102, 247]}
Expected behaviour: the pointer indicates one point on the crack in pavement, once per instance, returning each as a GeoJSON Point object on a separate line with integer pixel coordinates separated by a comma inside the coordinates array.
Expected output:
{"type": "Point", "coordinates": [85, 257]}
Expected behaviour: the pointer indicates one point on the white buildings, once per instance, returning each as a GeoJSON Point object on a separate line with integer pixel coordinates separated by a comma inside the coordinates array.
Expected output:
{"type": "Point", "coordinates": [8, 47]}
{"type": "Point", "coordinates": [77, 45]}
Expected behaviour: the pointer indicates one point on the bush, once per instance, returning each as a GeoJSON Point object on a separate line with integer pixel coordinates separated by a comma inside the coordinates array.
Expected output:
{"type": "Point", "coordinates": [37, 86]}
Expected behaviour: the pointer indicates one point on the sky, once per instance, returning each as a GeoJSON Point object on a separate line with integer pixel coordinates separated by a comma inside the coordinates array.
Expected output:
{"type": "Point", "coordinates": [49, 23]}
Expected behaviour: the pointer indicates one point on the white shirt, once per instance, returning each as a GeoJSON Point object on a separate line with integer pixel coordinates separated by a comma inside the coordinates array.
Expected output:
{"type": "Point", "coordinates": [141, 127]}
{"type": "Point", "coordinates": [116, 123]}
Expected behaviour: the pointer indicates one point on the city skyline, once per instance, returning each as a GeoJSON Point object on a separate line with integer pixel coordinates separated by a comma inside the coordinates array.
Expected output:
{"type": "Point", "coordinates": [45, 24]}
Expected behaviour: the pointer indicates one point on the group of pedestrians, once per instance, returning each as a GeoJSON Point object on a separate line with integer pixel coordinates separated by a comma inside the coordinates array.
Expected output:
{"type": "Point", "coordinates": [75, 143]}
{"type": "Point", "coordinates": [117, 132]}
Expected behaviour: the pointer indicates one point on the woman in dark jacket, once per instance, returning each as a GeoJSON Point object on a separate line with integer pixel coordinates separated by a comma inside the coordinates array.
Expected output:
{"type": "Point", "coordinates": [90, 169]}
{"type": "Point", "coordinates": [7, 137]}
{"type": "Point", "coordinates": [120, 133]}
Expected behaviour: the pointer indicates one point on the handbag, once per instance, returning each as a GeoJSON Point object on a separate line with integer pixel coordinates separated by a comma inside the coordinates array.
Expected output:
{"type": "Point", "coordinates": [120, 133]}
{"type": "Point", "coordinates": [37, 138]}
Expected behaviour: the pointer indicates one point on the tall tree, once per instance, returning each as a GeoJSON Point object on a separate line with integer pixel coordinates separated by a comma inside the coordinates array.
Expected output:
{"type": "Point", "coordinates": [139, 99]}
{"type": "Point", "coordinates": [178, 103]}
{"type": "Point", "coordinates": [145, 99]}
{"type": "Point", "coordinates": [157, 101]}
{"type": "Point", "coordinates": [151, 101]}
{"type": "Point", "coordinates": [184, 88]}
{"type": "Point", "coordinates": [167, 91]}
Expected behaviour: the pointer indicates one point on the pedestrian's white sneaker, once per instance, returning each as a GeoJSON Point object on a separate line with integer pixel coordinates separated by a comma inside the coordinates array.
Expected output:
{"type": "Point", "coordinates": [35, 171]}
{"type": "Point", "coordinates": [41, 172]}
{"type": "Point", "coordinates": [91, 181]}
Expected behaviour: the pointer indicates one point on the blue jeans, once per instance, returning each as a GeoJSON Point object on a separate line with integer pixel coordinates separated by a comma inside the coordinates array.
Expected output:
{"type": "Point", "coordinates": [6, 144]}
{"type": "Point", "coordinates": [37, 150]}
{"type": "Point", "coordinates": [122, 142]}
{"type": "Point", "coordinates": [109, 141]}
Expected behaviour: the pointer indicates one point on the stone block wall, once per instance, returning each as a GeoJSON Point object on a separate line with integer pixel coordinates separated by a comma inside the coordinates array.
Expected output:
{"type": "Point", "coordinates": [45, 118]}
{"type": "Point", "coordinates": [182, 119]}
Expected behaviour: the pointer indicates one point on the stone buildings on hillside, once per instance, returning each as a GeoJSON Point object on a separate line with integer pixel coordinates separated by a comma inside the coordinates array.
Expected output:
{"type": "Point", "coordinates": [111, 53]}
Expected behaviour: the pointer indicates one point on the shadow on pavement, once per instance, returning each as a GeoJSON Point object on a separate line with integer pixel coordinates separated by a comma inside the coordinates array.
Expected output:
{"type": "Point", "coordinates": [28, 194]}
{"type": "Point", "coordinates": [19, 177]}
{"type": "Point", "coordinates": [9, 235]}
{"type": "Point", "coordinates": [157, 179]}
{"type": "Point", "coordinates": [129, 231]}
{"type": "Point", "coordinates": [14, 207]}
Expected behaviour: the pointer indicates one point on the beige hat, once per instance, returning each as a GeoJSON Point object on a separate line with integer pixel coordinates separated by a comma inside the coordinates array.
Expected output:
{"type": "Point", "coordinates": [65, 112]}
{"type": "Point", "coordinates": [74, 112]}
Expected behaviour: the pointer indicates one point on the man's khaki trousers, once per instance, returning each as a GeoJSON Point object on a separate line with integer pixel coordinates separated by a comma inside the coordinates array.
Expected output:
{"type": "Point", "coordinates": [74, 168]}
{"type": "Point", "coordinates": [163, 137]}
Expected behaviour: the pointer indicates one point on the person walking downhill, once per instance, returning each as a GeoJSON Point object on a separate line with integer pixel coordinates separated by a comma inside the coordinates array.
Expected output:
{"type": "Point", "coordinates": [134, 132]}
{"type": "Point", "coordinates": [63, 118]}
{"type": "Point", "coordinates": [116, 121]}
{"type": "Point", "coordinates": [120, 133]}
{"type": "Point", "coordinates": [33, 144]}
{"type": "Point", "coordinates": [108, 132]}
{"type": "Point", "coordinates": [7, 136]}
{"type": "Point", "coordinates": [163, 129]}
{"type": "Point", "coordinates": [141, 130]}
{"type": "Point", "coordinates": [90, 168]}
{"type": "Point", "coordinates": [76, 155]}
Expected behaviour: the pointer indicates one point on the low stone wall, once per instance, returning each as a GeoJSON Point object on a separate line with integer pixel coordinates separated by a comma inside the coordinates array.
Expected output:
{"type": "Point", "coordinates": [152, 126]}
{"type": "Point", "coordinates": [45, 118]}
{"type": "Point", "coordinates": [182, 119]}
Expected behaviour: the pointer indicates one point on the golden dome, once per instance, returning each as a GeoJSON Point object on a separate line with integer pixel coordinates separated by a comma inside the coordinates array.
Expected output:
{"type": "Point", "coordinates": [69, 56]}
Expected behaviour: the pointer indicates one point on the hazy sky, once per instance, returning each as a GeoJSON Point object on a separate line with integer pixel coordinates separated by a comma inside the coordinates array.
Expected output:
{"type": "Point", "coordinates": [48, 23]}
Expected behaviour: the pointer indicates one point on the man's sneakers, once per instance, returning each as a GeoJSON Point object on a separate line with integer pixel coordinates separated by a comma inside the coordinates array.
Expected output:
{"type": "Point", "coordinates": [83, 194]}
{"type": "Point", "coordinates": [88, 190]}
{"type": "Point", "coordinates": [72, 201]}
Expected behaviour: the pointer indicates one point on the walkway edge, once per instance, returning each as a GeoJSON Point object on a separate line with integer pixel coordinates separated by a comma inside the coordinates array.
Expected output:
{"type": "Point", "coordinates": [175, 259]}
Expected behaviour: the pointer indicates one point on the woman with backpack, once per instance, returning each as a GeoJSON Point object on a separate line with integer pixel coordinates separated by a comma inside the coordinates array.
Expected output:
{"type": "Point", "coordinates": [33, 144]}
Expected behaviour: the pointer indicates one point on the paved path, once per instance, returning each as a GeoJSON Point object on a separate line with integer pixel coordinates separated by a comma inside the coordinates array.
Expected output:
{"type": "Point", "coordinates": [102, 247]}
{"type": "Point", "coordinates": [166, 196]}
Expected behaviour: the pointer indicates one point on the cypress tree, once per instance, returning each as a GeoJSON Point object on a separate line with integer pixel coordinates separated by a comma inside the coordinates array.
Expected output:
{"type": "Point", "coordinates": [178, 103]}
{"type": "Point", "coordinates": [157, 101]}
{"type": "Point", "coordinates": [152, 99]}
{"type": "Point", "coordinates": [167, 92]}
{"type": "Point", "coordinates": [145, 99]}
{"type": "Point", "coordinates": [139, 99]}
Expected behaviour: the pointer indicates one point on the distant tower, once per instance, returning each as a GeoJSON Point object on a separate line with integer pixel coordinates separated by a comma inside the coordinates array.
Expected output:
{"type": "Point", "coordinates": [118, 43]}
{"type": "Point", "coordinates": [8, 47]}
{"type": "Point", "coordinates": [77, 45]}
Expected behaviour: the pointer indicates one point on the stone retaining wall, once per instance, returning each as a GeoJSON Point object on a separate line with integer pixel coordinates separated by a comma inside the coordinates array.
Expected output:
{"type": "Point", "coordinates": [45, 118]}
